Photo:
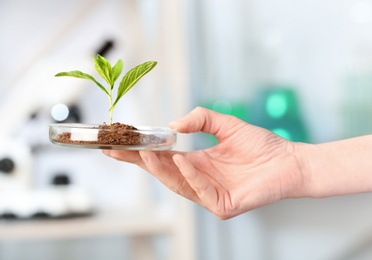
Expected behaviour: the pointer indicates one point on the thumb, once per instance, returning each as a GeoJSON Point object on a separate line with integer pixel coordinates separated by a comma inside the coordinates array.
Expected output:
{"type": "Point", "coordinates": [200, 119]}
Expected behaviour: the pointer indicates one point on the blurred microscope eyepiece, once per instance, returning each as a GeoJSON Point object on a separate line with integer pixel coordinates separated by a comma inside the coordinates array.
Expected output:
{"type": "Point", "coordinates": [6, 165]}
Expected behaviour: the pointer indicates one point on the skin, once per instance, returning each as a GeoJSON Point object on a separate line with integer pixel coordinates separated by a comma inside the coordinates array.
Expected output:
{"type": "Point", "coordinates": [251, 167]}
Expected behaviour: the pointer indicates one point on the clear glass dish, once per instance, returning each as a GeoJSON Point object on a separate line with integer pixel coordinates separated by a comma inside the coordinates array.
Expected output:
{"type": "Point", "coordinates": [99, 137]}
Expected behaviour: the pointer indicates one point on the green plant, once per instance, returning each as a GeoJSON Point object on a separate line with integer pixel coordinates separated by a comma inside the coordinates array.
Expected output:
{"type": "Point", "coordinates": [110, 74]}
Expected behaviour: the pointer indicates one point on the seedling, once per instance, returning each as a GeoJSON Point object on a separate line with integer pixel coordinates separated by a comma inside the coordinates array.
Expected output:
{"type": "Point", "coordinates": [110, 74]}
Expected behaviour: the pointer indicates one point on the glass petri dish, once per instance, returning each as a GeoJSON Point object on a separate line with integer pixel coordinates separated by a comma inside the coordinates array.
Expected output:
{"type": "Point", "coordinates": [100, 137]}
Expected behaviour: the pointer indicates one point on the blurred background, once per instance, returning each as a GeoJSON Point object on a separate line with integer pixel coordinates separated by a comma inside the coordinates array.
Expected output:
{"type": "Point", "coordinates": [301, 69]}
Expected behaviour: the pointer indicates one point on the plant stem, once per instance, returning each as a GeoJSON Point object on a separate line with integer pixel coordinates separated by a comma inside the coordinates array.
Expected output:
{"type": "Point", "coordinates": [110, 115]}
{"type": "Point", "coordinates": [111, 110]}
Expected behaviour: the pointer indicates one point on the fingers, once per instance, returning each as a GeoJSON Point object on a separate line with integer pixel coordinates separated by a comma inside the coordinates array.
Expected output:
{"type": "Point", "coordinates": [200, 119]}
{"type": "Point", "coordinates": [169, 176]}
{"type": "Point", "coordinates": [153, 164]}
{"type": "Point", "coordinates": [125, 156]}
{"type": "Point", "coordinates": [163, 169]}
{"type": "Point", "coordinates": [202, 187]}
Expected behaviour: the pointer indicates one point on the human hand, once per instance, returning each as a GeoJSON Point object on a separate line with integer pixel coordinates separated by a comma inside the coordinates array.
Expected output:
{"type": "Point", "coordinates": [249, 167]}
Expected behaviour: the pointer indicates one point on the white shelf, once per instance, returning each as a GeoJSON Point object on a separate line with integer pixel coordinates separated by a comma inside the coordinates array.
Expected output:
{"type": "Point", "coordinates": [100, 224]}
{"type": "Point", "coordinates": [139, 227]}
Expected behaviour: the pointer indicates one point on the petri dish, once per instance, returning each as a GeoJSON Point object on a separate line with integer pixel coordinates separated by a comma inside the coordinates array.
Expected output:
{"type": "Point", "coordinates": [95, 136]}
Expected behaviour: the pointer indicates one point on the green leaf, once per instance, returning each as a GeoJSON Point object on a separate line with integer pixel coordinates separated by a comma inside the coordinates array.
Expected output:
{"type": "Point", "coordinates": [103, 67]}
{"type": "Point", "coordinates": [81, 75]}
{"type": "Point", "coordinates": [116, 71]}
{"type": "Point", "coordinates": [132, 77]}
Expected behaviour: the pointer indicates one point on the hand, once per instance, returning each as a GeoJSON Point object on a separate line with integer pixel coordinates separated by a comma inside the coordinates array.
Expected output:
{"type": "Point", "coordinates": [249, 167]}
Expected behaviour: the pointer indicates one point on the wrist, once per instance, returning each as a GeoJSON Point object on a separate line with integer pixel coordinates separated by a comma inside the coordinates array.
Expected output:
{"type": "Point", "coordinates": [303, 154]}
{"type": "Point", "coordinates": [335, 168]}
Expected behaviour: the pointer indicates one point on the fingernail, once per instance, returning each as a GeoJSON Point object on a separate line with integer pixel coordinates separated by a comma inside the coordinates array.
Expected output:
{"type": "Point", "coordinates": [172, 124]}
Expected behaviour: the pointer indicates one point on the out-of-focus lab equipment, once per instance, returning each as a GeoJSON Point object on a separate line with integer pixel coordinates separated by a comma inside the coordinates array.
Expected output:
{"type": "Point", "coordinates": [55, 193]}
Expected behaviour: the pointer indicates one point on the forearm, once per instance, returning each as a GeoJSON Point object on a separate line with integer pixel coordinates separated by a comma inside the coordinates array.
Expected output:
{"type": "Point", "coordinates": [337, 168]}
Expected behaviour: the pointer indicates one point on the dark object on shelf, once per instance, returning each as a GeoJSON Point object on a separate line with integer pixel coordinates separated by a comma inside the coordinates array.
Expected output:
{"type": "Point", "coordinates": [6, 165]}
{"type": "Point", "coordinates": [61, 180]}
{"type": "Point", "coordinates": [8, 215]}
{"type": "Point", "coordinates": [41, 215]}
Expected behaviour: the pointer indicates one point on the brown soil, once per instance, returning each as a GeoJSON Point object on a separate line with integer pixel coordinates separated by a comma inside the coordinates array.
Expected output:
{"type": "Point", "coordinates": [116, 134]}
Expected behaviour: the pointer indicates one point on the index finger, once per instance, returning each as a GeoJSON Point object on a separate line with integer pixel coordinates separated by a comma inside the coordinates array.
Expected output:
{"type": "Point", "coordinates": [125, 156]}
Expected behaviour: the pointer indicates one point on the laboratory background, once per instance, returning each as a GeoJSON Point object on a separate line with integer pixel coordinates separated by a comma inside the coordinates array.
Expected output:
{"type": "Point", "coordinates": [302, 69]}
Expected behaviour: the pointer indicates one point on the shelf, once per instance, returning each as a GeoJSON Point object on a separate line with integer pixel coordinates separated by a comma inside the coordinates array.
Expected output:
{"type": "Point", "coordinates": [99, 224]}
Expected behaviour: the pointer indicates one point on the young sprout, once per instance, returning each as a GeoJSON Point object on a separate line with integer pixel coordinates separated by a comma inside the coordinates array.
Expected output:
{"type": "Point", "coordinates": [110, 75]}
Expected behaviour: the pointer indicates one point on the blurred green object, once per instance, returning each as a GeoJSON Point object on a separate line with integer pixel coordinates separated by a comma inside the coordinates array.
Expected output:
{"type": "Point", "coordinates": [356, 105]}
{"type": "Point", "coordinates": [278, 110]}
{"type": "Point", "coordinates": [275, 108]}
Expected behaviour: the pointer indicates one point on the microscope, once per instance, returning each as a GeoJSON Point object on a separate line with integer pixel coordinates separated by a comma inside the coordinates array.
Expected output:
{"type": "Point", "coordinates": [19, 199]}
{"type": "Point", "coordinates": [19, 141]}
